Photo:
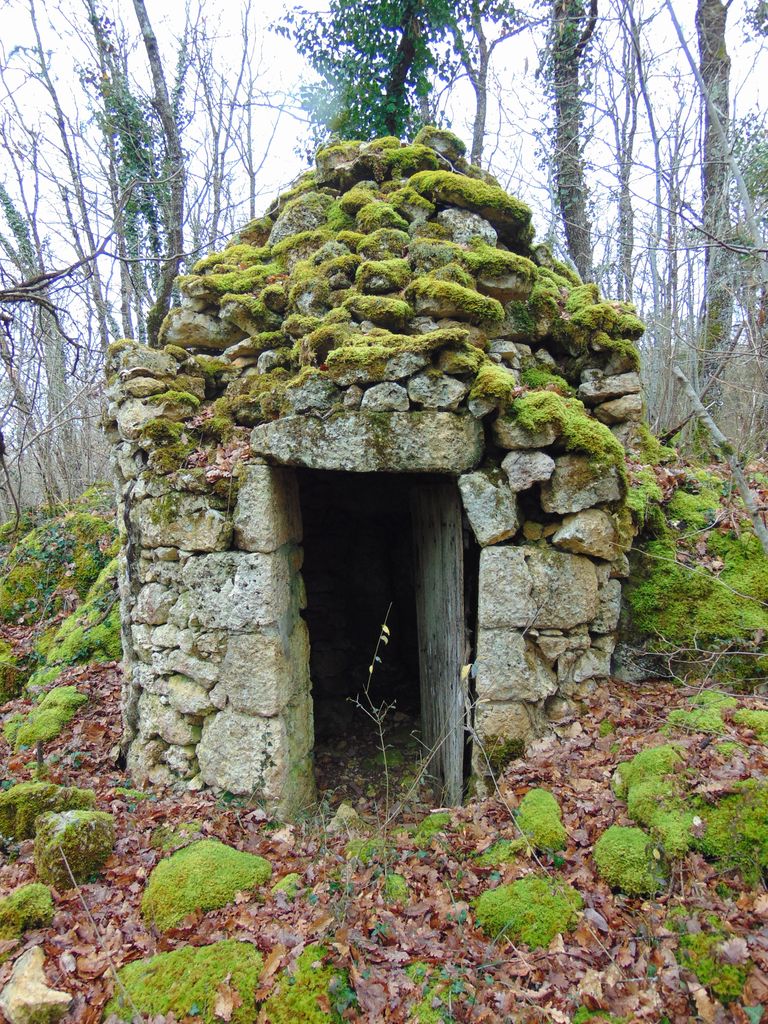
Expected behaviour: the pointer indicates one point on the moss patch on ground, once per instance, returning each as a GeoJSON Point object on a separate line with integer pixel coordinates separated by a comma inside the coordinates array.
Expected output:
{"type": "Point", "coordinates": [314, 991]}
{"type": "Point", "coordinates": [29, 906]}
{"type": "Point", "coordinates": [630, 861]}
{"type": "Point", "coordinates": [532, 910]}
{"type": "Point", "coordinates": [185, 982]}
{"type": "Point", "coordinates": [702, 950]}
{"type": "Point", "coordinates": [203, 876]}
{"type": "Point", "coordinates": [540, 819]}
{"type": "Point", "coordinates": [46, 720]}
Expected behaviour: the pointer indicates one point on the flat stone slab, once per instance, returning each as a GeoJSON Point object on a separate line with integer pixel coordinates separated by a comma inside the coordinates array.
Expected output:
{"type": "Point", "coordinates": [362, 442]}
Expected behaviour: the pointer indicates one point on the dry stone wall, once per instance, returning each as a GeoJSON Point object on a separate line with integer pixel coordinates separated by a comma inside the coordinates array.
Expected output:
{"type": "Point", "coordinates": [390, 314]}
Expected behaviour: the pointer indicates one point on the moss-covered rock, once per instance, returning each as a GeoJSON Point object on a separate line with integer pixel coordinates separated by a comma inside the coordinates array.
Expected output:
{"type": "Point", "coordinates": [314, 991]}
{"type": "Point", "coordinates": [735, 830]}
{"type": "Point", "coordinates": [578, 430]}
{"type": "Point", "coordinates": [288, 885]}
{"type": "Point", "coordinates": [395, 888]}
{"type": "Point", "coordinates": [705, 715]}
{"type": "Point", "coordinates": [503, 851]}
{"type": "Point", "coordinates": [185, 983]}
{"type": "Point", "coordinates": [510, 217]}
{"type": "Point", "coordinates": [757, 721]}
{"type": "Point", "coordinates": [12, 673]}
{"type": "Point", "coordinates": [532, 910]}
{"type": "Point", "coordinates": [72, 845]}
{"type": "Point", "coordinates": [430, 826]}
{"type": "Point", "coordinates": [22, 804]}
{"type": "Point", "coordinates": [541, 820]}
{"type": "Point", "coordinates": [45, 721]}
{"type": "Point", "coordinates": [630, 861]}
{"type": "Point", "coordinates": [203, 876]}
{"type": "Point", "coordinates": [29, 906]}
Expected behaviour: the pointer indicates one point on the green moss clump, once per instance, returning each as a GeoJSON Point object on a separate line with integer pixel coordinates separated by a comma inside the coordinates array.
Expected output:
{"type": "Point", "coordinates": [579, 431]}
{"type": "Point", "coordinates": [652, 785]}
{"type": "Point", "coordinates": [441, 140]}
{"type": "Point", "coordinates": [23, 803]}
{"type": "Point", "coordinates": [540, 818]}
{"type": "Point", "coordinates": [185, 983]}
{"type": "Point", "coordinates": [375, 215]}
{"type": "Point", "coordinates": [538, 377]}
{"type": "Point", "coordinates": [486, 261]}
{"type": "Point", "coordinates": [406, 160]}
{"type": "Point", "coordinates": [510, 217]}
{"type": "Point", "coordinates": [430, 826]}
{"type": "Point", "coordinates": [64, 553]}
{"type": "Point", "coordinates": [395, 889]}
{"type": "Point", "coordinates": [289, 885]}
{"type": "Point", "coordinates": [355, 199]}
{"type": "Point", "coordinates": [72, 845]}
{"type": "Point", "coordinates": [431, 1007]}
{"type": "Point", "coordinates": [700, 952]}
{"type": "Point", "coordinates": [706, 714]}
{"type": "Point", "coordinates": [736, 830]}
{"type": "Point", "coordinates": [628, 859]}
{"type": "Point", "coordinates": [350, 238]}
{"type": "Point", "coordinates": [377, 277]}
{"type": "Point", "coordinates": [501, 751]}
{"type": "Point", "coordinates": [365, 850]}
{"type": "Point", "coordinates": [757, 721]}
{"type": "Point", "coordinates": [503, 851]}
{"type": "Point", "coordinates": [410, 204]}
{"type": "Point", "coordinates": [203, 876]}
{"type": "Point", "coordinates": [28, 907]}
{"type": "Point", "coordinates": [314, 992]}
{"type": "Point", "coordinates": [169, 837]}
{"type": "Point", "coordinates": [532, 910]}
{"type": "Point", "coordinates": [234, 257]}
{"type": "Point", "coordinates": [45, 721]}
{"type": "Point", "coordinates": [644, 499]}
{"type": "Point", "coordinates": [380, 310]}
{"type": "Point", "coordinates": [12, 674]}
{"type": "Point", "coordinates": [445, 298]}
{"type": "Point", "coordinates": [454, 273]}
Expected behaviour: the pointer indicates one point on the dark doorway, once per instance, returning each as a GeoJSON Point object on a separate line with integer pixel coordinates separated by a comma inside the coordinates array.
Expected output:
{"type": "Point", "coordinates": [366, 557]}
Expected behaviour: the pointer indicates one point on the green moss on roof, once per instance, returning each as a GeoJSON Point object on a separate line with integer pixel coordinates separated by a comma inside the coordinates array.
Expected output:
{"type": "Point", "coordinates": [380, 310]}
{"type": "Point", "coordinates": [489, 201]}
{"type": "Point", "coordinates": [579, 431]}
{"type": "Point", "coordinates": [375, 215]}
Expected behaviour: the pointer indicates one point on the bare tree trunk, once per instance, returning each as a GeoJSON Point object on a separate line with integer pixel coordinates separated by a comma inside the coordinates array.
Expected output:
{"type": "Point", "coordinates": [717, 307]}
{"type": "Point", "coordinates": [174, 212]}
{"type": "Point", "coordinates": [570, 32]}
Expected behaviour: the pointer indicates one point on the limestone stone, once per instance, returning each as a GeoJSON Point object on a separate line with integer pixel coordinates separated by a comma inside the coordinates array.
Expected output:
{"type": "Point", "coordinates": [262, 672]}
{"type": "Point", "coordinates": [464, 226]}
{"type": "Point", "coordinates": [496, 723]}
{"type": "Point", "coordinates": [508, 434]}
{"type": "Point", "coordinates": [597, 387]}
{"type": "Point", "coordinates": [313, 394]}
{"type": "Point", "coordinates": [238, 590]}
{"type": "Point", "coordinates": [305, 213]}
{"type": "Point", "coordinates": [132, 359]}
{"type": "Point", "coordinates": [182, 761]}
{"type": "Point", "coordinates": [153, 603]}
{"type": "Point", "coordinates": [509, 668]}
{"type": "Point", "coordinates": [404, 364]}
{"type": "Point", "coordinates": [524, 469]}
{"type": "Point", "coordinates": [578, 668]}
{"type": "Point", "coordinates": [554, 646]}
{"type": "Point", "coordinates": [188, 697]}
{"type": "Point", "coordinates": [188, 329]}
{"type": "Point", "coordinates": [619, 410]}
{"type": "Point", "coordinates": [27, 997]}
{"type": "Point", "coordinates": [143, 387]}
{"type": "Point", "coordinates": [353, 396]}
{"type": "Point", "coordinates": [158, 718]}
{"type": "Point", "coordinates": [386, 397]}
{"type": "Point", "coordinates": [490, 506]}
{"type": "Point", "coordinates": [346, 821]}
{"type": "Point", "coordinates": [415, 442]}
{"type": "Point", "coordinates": [142, 757]}
{"type": "Point", "coordinates": [576, 485]}
{"type": "Point", "coordinates": [437, 392]}
{"type": "Point", "coordinates": [608, 609]}
{"type": "Point", "coordinates": [267, 513]}
{"type": "Point", "coordinates": [591, 532]}
{"type": "Point", "coordinates": [526, 586]}
{"type": "Point", "coordinates": [243, 754]}
{"type": "Point", "coordinates": [184, 521]}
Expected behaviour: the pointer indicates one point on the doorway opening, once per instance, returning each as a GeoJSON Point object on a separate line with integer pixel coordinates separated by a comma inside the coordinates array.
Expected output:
{"type": "Point", "coordinates": [367, 562]}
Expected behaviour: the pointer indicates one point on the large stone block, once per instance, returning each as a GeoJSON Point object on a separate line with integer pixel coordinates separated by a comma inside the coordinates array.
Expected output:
{"type": "Point", "coordinates": [267, 513]}
{"type": "Point", "coordinates": [360, 442]}
{"type": "Point", "coordinates": [241, 591]}
{"type": "Point", "coordinates": [184, 521]}
{"type": "Point", "coordinates": [590, 532]}
{"type": "Point", "coordinates": [509, 668]}
{"type": "Point", "coordinates": [490, 506]}
{"type": "Point", "coordinates": [524, 469]}
{"type": "Point", "coordinates": [158, 718]}
{"type": "Point", "coordinates": [526, 586]}
{"type": "Point", "coordinates": [598, 387]}
{"type": "Point", "coordinates": [576, 484]}
{"type": "Point", "coordinates": [262, 672]}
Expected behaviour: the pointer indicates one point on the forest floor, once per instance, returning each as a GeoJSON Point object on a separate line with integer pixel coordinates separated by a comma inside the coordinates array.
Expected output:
{"type": "Point", "coordinates": [621, 958]}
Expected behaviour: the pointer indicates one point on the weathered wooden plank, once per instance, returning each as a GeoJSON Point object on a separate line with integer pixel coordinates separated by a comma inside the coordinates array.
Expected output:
{"type": "Point", "coordinates": [439, 576]}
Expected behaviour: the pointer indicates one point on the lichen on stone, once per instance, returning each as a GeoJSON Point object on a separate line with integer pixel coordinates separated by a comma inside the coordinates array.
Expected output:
{"type": "Point", "coordinates": [203, 876]}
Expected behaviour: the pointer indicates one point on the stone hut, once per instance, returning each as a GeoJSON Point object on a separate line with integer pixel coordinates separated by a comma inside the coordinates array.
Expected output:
{"type": "Point", "coordinates": [382, 393]}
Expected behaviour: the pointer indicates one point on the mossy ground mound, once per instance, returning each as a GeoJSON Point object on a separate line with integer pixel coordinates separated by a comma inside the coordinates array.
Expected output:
{"type": "Point", "coordinates": [44, 721]}
{"type": "Point", "coordinates": [703, 949]}
{"type": "Point", "coordinates": [532, 910]}
{"type": "Point", "coordinates": [186, 983]}
{"type": "Point", "coordinates": [540, 819]}
{"type": "Point", "coordinates": [203, 876]}
{"type": "Point", "coordinates": [29, 906]}
{"type": "Point", "coordinates": [72, 846]}
{"type": "Point", "coordinates": [630, 861]}
{"type": "Point", "coordinates": [22, 804]}
{"type": "Point", "coordinates": [698, 593]}
{"type": "Point", "coordinates": [314, 991]}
